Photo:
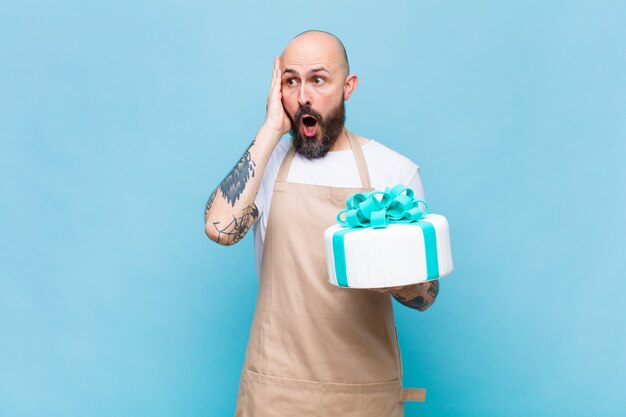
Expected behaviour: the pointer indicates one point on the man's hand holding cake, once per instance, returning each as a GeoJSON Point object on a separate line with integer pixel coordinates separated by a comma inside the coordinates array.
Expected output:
{"type": "Point", "coordinates": [419, 296]}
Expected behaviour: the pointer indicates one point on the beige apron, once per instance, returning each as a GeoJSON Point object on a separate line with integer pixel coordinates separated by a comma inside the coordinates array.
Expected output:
{"type": "Point", "coordinates": [316, 349]}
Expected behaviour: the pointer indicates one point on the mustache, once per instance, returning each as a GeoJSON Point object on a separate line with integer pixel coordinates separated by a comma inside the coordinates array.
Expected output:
{"type": "Point", "coordinates": [308, 110]}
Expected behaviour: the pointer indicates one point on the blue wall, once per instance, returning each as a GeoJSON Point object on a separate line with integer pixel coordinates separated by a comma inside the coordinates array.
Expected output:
{"type": "Point", "coordinates": [118, 118]}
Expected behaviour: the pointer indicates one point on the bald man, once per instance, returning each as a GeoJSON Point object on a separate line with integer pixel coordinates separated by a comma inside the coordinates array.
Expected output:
{"type": "Point", "coordinates": [314, 349]}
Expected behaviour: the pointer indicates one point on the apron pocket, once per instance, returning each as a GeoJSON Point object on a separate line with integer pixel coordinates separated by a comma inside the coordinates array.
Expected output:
{"type": "Point", "coordinates": [379, 399]}
{"type": "Point", "coordinates": [272, 396]}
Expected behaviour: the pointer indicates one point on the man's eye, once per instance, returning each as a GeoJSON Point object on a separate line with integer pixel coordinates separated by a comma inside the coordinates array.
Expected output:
{"type": "Point", "coordinates": [319, 80]}
{"type": "Point", "coordinates": [290, 82]}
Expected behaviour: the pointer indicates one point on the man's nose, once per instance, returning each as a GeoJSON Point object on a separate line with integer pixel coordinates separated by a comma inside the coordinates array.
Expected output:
{"type": "Point", "coordinates": [303, 96]}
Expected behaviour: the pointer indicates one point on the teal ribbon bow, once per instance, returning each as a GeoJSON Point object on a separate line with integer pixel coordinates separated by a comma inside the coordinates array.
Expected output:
{"type": "Point", "coordinates": [376, 209]}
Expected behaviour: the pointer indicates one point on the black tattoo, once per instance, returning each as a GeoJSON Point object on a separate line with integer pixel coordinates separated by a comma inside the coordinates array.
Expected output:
{"type": "Point", "coordinates": [235, 182]}
{"type": "Point", "coordinates": [234, 231]}
{"type": "Point", "coordinates": [433, 288]}
{"type": "Point", "coordinates": [209, 204]}
{"type": "Point", "coordinates": [416, 303]}
{"type": "Point", "coordinates": [421, 302]}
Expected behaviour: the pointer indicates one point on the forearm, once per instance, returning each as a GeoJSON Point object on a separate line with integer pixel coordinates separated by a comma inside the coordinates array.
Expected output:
{"type": "Point", "coordinates": [418, 296]}
{"type": "Point", "coordinates": [231, 211]}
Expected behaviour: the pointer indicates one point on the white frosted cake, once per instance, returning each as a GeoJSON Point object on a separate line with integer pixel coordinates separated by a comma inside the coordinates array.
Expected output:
{"type": "Point", "coordinates": [391, 253]}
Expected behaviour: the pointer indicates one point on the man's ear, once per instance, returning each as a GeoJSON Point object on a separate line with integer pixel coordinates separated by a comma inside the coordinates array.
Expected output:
{"type": "Point", "coordinates": [350, 85]}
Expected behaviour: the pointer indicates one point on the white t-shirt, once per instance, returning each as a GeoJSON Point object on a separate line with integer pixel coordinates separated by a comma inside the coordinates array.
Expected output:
{"type": "Point", "coordinates": [337, 169]}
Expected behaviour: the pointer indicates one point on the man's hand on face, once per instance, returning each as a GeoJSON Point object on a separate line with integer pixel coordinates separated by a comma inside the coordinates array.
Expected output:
{"type": "Point", "coordinates": [276, 117]}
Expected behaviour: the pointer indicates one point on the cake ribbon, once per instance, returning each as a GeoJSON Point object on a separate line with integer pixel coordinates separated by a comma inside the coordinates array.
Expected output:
{"type": "Point", "coordinates": [395, 205]}
{"type": "Point", "coordinates": [377, 209]}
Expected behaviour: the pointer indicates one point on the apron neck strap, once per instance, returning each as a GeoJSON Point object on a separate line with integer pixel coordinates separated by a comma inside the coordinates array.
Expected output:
{"type": "Point", "coordinates": [356, 151]}
{"type": "Point", "coordinates": [284, 167]}
{"type": "Point", "coordinates": [360, 161]}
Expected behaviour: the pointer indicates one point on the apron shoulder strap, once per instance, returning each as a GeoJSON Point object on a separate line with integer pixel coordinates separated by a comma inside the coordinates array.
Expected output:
{"type": "Point", "coordinates": [283, 171]}
{"type": "Point", "coordinates": [360, 162]}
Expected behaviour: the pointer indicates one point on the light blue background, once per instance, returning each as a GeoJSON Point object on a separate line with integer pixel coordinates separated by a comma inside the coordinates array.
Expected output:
{"type": "Point", "coordinates": [118, 118]}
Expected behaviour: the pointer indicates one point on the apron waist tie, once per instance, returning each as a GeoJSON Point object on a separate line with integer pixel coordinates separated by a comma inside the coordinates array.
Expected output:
{"type": "Point", "coordinates": [412, 394]}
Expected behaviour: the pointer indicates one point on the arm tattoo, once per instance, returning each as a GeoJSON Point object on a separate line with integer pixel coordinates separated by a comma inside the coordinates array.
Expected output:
{"type": "Point", "coordinates": [422, 302]}
{"type": "Point", "coordinates": [231, 189]}
{"type": "Point", "coordinates": [235, 182]}
{"type": "Point", "coordinates": [234, 231]}
{"type": "Point", "coordinates": [209, 204]}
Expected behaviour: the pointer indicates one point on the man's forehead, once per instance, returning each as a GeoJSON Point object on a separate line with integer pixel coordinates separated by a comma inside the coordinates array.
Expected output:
{"type": "Point", "coordinates": [313, 50]}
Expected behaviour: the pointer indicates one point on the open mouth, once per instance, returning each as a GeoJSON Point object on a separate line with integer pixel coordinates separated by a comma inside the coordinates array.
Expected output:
{"type": "Point", "coordinates": [310, 125]}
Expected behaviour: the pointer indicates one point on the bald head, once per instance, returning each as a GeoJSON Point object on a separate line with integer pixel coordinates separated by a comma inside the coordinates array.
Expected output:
{"type": "Point", "coordinates": [317, 45]}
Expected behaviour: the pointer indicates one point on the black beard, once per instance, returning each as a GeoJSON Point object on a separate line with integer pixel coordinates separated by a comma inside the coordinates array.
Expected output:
{"type": "Point", "coordinates": [331, 127]}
